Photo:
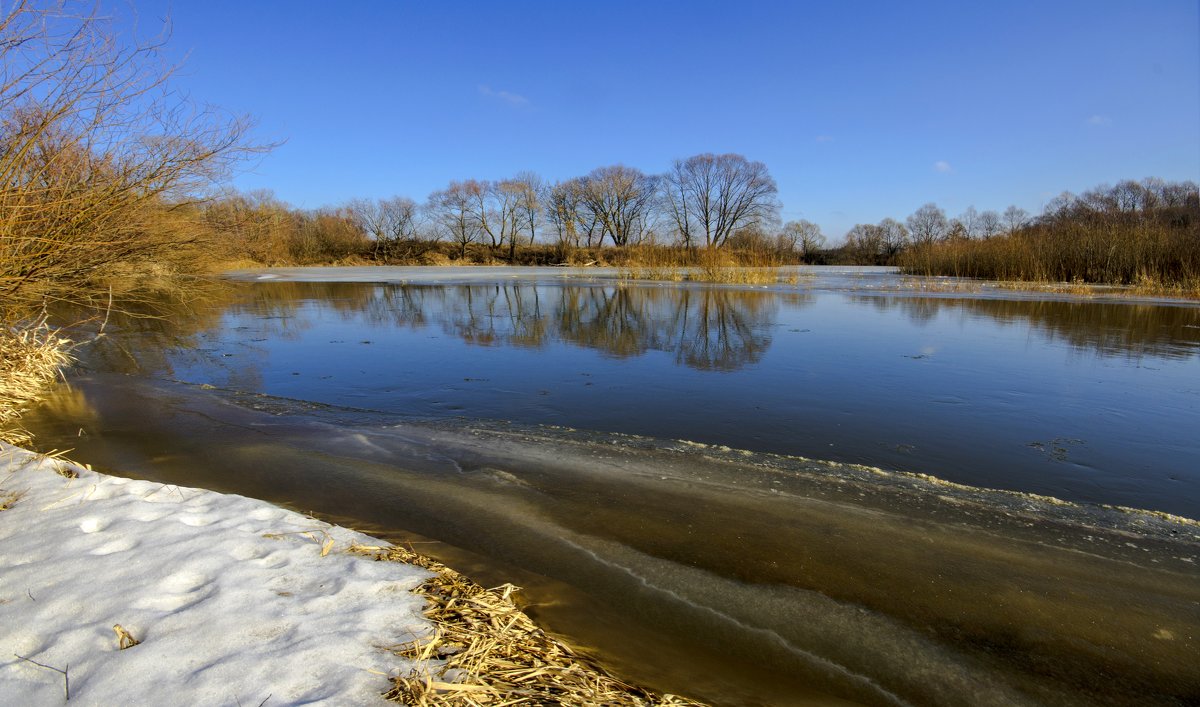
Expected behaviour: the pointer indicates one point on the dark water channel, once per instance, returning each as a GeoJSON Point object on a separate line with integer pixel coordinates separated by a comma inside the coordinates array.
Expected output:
{"type": "Point", "coordinates": [636, 456]}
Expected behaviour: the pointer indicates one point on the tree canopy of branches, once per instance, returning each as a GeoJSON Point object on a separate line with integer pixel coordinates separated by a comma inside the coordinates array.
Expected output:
{"type": "Point", "coordinates": [99, 162]}
{"type": "Point", "coordinates": [712, 196]}
{"type": "Point", "coordinates": [802, 237]}
{"type": "Point", "coordinates": [453, 211]}
{"type": "Point", "coordinates": [928, 224]}
{"type": "Point", "coordinates": [620, 199]}
{"type": "Point", "coordinates": [394, 218]}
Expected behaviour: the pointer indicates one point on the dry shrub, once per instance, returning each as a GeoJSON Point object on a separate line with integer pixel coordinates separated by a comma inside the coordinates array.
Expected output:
{"type": "Point", "coordinates": [433, 258]}
{"type": "Point", "coordinates": [101, 165]}
{"type": "Point", "coordinates": [488, 652]}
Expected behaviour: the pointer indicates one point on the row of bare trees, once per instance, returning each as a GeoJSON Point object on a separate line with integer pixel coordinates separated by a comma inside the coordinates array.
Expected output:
{"type": "Point", "coordinates": [882, 243]}
{"type": "Point", "coordinates": [700, 201]}
{"type": "Point", "coordinates": [706, 201]}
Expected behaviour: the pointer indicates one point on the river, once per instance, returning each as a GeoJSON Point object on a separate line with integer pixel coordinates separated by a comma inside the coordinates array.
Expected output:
{"type": "Point", "coordinates": [850, 485]}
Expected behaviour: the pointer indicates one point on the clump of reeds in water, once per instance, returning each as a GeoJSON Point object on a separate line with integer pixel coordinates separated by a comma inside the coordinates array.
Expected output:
{"type": "Point", "coordinates": [488, 652]}
{"type": "Point", "coordinates": [31, 356]}
{"type": "Point", "coordinates": [715, 265]}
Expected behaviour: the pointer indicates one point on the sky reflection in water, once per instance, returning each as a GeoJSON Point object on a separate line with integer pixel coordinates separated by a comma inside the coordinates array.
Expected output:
{"type": "Point", "coordinates": [1086, 401]}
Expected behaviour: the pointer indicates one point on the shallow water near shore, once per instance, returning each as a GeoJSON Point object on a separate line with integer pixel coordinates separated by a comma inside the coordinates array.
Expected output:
{"type": "Point", "coordinates": [527, 429]}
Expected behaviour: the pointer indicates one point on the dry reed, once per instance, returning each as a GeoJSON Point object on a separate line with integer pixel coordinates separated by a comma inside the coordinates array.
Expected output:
{"type": "Point", "coordinates": [488, 652]}
{"type": "Point", "coordinates": [125, 639]}
{"type": "Point", "coordinates": [706, 265]}
{"type": "Point", "coordinates": [30, 358]}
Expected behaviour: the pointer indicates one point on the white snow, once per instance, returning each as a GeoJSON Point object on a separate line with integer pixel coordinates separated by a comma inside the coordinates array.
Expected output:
{"type": "Point", "coordinates": [231, 598]}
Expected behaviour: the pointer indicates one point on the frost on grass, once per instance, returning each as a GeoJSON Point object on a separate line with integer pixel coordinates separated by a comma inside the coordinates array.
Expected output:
{"type": "Point", "coordinates": [131, 592]}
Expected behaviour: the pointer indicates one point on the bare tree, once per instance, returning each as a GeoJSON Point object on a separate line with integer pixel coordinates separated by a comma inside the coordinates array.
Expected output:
{"type": "Point", "coordinates": [562, 211]}
{"type": "Point", "coordinates": [386, 221]}
{"type": "Point", "coordinates": [1061, 205]}
{"type": "Point", "coordinates": [989, 224]}
{"type": "Point", "coordinates": [507, 200]}
{"type": "Point", "coordinates": [711, 196]}
{"type": "Point", "coordinates": [865, 241]}
{"type": "Point", "coordinates": [1177, 194]}
{"type": "Point", "coordinates": [620, 200]}
{"type": "Point", "coordinates": [803, 237]}
{"type": "Point", "coordinates": [928, 224]}
{"type": "Point", "coordinates": [402, 217]}
{"type": "Point", "coordinates": [494, 208]}
{"type": "Point", "coordinates": [573, 219]}
{"type": "Point", "coordinates": [530, 193]}
{"type": "Point", "coordinates": [368, 216]}
{"type": "Point", "coordinates": [969, 219]}
{"type": "Point", "coordinates": [1015, 218]}
{"type": "Point", "coordinates": [893, 237]}
{"type": "Point", "coordinates": [453, 210]}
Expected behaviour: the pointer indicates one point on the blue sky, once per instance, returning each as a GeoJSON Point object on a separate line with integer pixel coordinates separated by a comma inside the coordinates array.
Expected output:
{"type": "Point", "coordinates": [861, 110]}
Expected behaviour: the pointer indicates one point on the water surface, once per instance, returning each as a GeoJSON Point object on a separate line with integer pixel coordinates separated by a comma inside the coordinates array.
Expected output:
{"type": "Point", "coordinates": [489, 416]}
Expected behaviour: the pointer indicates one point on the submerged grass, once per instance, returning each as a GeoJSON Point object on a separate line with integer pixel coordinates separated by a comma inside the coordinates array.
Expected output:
{"type": "Point", "coordinates": [30, 358]}
{"type": "Point", "coordinates": [488, 652]}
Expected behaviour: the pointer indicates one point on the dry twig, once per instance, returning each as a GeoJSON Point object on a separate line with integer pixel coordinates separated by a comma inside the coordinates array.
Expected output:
{"type": "Point", "coordinates": [60, 671]}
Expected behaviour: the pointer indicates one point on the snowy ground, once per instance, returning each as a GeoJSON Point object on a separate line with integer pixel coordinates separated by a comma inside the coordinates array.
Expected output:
{"type": "Point", "coordinates": [235, 601]}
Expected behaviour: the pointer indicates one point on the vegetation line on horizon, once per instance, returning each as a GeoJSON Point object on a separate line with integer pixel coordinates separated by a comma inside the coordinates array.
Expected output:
{"type": "Point", "coordinates": [108, 179]}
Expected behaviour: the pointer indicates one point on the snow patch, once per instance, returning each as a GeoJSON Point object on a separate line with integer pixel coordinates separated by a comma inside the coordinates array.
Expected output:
{"type": "Point", "coordinates": [232, 599]}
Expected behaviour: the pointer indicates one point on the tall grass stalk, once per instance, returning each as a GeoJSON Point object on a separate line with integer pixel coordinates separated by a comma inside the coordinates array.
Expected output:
{"type": "Point", "coordinates": [1148, 256]}
{"type": "Point", "coordinates": [31, 355]}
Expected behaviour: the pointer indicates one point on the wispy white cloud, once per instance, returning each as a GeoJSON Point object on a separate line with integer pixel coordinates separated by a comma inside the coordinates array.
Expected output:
{"type": "Point", "coordinates": [824, 138]}
{"type": "Point", "coordinates": [1099, 120]}
{"type": "Point", "coordinates": [943, 166]}
{"type": "Point", "coordinates": [512, 99]}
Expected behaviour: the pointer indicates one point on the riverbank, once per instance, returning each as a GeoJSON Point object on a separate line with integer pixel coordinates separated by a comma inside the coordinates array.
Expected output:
{"type": "Point", "coordinates": [126, 591]}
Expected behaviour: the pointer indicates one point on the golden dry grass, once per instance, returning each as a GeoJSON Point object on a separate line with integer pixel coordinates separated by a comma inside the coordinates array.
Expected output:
{"type": "Point", "coordinates": [125, 639]}
{"type": "Point", "coordinates": [710, 265]}
{"type": "Point", "coordinates": [488, 652]}
{"type": "Point", "coordinates": [31, 356]}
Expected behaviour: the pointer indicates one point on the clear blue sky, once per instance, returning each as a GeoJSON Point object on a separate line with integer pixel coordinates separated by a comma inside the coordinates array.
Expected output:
{"type": "Point", "coordinates": [861, 110]}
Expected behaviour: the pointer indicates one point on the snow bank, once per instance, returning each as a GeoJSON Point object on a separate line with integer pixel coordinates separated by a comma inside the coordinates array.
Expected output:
{"type": "Point", "coordinates": [235, 601]}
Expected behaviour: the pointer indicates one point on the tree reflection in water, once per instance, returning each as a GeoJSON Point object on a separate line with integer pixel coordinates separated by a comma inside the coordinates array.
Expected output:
{"type": "Point", "coordinates": [1125, 329]}
{"type": "Point", "coordinates": [708, 329]}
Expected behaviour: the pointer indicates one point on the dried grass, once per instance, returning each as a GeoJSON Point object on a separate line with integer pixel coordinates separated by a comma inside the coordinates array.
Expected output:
{"type": "Point", "coordinates": [9, 498]}
{"type": "Point", "coordinates": [125, 639]}
{"type": "Point", "coordinates": [488, 652]}
{"type": "Point", "coordinates": [31, 356]}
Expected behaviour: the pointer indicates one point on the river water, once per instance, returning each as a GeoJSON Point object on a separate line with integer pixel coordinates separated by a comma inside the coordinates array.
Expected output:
{"type": "Point", "coordinates": [848, 486]}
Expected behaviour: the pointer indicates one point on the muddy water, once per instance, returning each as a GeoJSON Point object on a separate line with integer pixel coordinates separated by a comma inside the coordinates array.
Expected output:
{"type": "Point", "coordinates": [742, 576]}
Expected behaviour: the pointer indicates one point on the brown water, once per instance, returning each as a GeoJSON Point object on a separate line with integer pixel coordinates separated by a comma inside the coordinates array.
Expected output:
{"type": "Point", "coordinates": [743, 575]}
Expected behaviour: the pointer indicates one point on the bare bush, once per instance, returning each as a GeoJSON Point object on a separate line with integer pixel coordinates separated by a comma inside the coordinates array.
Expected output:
{"type": "Point", "coordinates": [100, 164]}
